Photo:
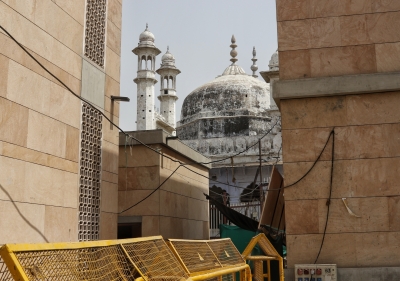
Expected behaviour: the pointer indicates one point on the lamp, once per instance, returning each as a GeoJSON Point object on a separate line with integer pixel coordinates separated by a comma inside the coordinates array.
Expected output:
{"type": "Point", "coordinates": [115, 98]}
{"type": "Point", "coordinates": [118, 98]}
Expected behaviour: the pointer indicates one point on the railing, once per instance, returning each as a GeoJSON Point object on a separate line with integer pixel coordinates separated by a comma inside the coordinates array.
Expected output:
{"type": "Point", "coordinates": [250, 209]}
{"type": "Point", "coordinates": [140, 259]}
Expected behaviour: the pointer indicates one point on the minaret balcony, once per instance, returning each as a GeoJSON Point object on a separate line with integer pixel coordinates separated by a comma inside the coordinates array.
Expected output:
{"type": "Point", "coordinates": [146, 74]}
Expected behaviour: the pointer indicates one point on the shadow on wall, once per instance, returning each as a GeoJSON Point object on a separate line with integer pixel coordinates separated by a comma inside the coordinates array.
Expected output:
{"type": "Point", "coordinates": [22, 216]}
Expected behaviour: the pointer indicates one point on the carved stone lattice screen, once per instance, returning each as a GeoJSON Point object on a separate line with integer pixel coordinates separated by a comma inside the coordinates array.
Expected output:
{"type": "Point", "coordinates": [90, 174]}
{"type": "Point", "coordinates": [95, 30]}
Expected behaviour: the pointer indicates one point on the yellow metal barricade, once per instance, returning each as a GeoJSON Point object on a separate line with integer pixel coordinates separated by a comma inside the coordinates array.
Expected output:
{"type": "Point", "coordinates": [5, 275]}
{"type": "Point", "coordinates": [269, 254]}
{"type": "Point", "coordinates": [210, 259]}
{"type": "Point", "coordinates": [127, 259]}
{"type": "Point", "coordinates": [140, 259]}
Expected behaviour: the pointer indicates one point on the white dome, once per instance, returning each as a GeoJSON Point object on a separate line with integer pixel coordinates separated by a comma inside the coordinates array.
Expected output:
{"type": "Point", "coordinates": [167, 57]}
{"type": "Point", "coordinates": [274, 62]}
{"type": "Point", "coordinates": [146, 38]}
{"type": "Point", "coordinates": [227, 93]}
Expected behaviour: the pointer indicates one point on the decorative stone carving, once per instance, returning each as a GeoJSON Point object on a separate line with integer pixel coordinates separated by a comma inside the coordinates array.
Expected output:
{"type": "Point", "coordinates": [95, 31]}
{"type": "Point", "coordinates": [89, 174]}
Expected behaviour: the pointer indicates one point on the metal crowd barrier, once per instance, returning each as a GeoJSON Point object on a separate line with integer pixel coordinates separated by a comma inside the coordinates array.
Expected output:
{"type": "Point", "coordinates": [211, 259]}
{"type": "Point", "coordinates": [269, 254]}
{"type": "Point", "coordinates": [140, 259]}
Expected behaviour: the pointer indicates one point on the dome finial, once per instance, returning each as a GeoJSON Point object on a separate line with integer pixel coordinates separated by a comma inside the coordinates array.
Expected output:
{"type": "Point", "coordinates": [233, 51]}
{"type": "Point", "coordinates": [147, 25]}
{"type": "Point", "coordinates": [254, 67]}
{"type": "Point", "coordinates": [167, 49]}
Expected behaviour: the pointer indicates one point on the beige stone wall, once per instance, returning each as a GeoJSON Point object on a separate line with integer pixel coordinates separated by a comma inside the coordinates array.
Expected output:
{"type": "Point", "coordinates": [337, 38]}
{"type": "Point", "coordinates": [179, 208]}
{"type": "Point", "coordinates": [366, 170]}
{"type": "Point", "coordinates": [319, 38]}
{"type": "Point", "coordinates": [40, 120]}
{"type": "Point", "coordinates": [109, 188]}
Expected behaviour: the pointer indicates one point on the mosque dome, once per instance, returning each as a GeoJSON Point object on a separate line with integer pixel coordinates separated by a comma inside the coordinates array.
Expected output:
{"type": "Point", "coordinates": [167, 59]}
{"type": "Point", "coordinates": [146, 37]}
{"type": "Point", "coordinates": [227, 115]}
{"type": "Point", "coordinates": [167, 56]}
{"type": "Point", "coordinates": [227, 94]}
{"type": "Point", "coordinates": [231, 94]}
{"type": "Point", "coordinates": [274, 62]}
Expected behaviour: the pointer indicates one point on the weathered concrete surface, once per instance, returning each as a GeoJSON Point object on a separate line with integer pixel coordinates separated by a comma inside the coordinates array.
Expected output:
{"type": "Point", "coordinates": [332, 86]}
{"type": "Point", "coordinates": [228, 92]}
{"type": "Point", "coordinates": [93, 81]}
{"type": "Point", "coordinates": [222, 137]}
{"type": "Point", "coordinates": [358, 274]}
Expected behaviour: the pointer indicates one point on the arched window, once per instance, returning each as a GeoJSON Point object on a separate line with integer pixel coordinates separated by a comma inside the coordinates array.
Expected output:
{"type": "Point", "coordinates": [166, 82]}
{"type": "Point", "coordinates": [172, 82]}
{"type": "Point", "coordinates": [149, 63]}
{"type": "Point", "coordinates": [143, 63]}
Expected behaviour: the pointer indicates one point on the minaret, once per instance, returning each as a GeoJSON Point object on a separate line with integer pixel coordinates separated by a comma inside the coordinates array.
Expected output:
{"type": "Point", "coordinates": [254, 67]}
{"type": "Point", "coordinates": [145, 80]}
{"type": "Point", "coordinates": [167, 97]}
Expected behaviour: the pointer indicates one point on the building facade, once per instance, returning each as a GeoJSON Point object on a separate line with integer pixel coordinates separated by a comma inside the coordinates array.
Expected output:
{"type": "Point", "coordinates": [58, 155]}
{"type": "Point", "coordinates": [224, 120]}
{"type": "Point", "coordinates": [339, 70]}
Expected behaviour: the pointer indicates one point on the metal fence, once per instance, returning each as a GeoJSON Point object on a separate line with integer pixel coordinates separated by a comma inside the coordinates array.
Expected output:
{"type": "Point", "coordinates": [5, 275]}
{"type": "Point", "coordinates": [145, 259]}
{"type": "Point", "coordinates": [207, 257]}
{"type": "Point", "coordinates": [250, 209]}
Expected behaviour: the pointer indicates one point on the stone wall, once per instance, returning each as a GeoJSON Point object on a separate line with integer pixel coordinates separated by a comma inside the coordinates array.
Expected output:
{"type": "Point", "coordinates": [318, 40]}
{"type": "Point", "coordinates": [40, 121]}
{"type": "Point", "coordinates": [365, 172]}
{"type": "Point", "coordinates": [331, 38]}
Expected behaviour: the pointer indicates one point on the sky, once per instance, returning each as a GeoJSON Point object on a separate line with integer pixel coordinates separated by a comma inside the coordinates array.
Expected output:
{"type": "Point", "coordinates": [198, 33]}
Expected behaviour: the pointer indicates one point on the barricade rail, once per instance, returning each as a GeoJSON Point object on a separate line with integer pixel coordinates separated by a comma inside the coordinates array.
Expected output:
{"type": "Point", "coordinates": [146, 259]}
{"type": "Point", "coordinates": [269, 254]}
{"type": "Point", "coordinates": [215, 258]}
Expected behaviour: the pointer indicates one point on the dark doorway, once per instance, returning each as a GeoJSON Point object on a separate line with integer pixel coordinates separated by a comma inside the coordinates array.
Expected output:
{"type": "Point", "coordinates": [129, 230]}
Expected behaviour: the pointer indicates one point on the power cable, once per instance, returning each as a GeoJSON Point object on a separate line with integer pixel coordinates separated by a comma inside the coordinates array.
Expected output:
{"type": "Point", "coordinates": [55, 77]}
{"type": "Point", "coordinates": [236, 197]}
{"type": "Point", "coordinates": [243, 151]}
{"type": "Point", "coordinates": [328, 202]}
{"type": "Point", "coordinates": [127, 135]}
{"type": "Point", "coordinates": [150, 192]}
{"type": "Point", "coordinates": [315, 162]}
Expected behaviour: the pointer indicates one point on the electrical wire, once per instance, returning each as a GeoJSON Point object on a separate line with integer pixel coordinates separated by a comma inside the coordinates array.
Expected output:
{"type": "Point", "coordinates": [55, 77]}
{"type": "Point", "coordinates": [243, 151]}
{"type": "Point", "coordinates": [151, 192]}
{"type": "Point", "coordinates": [328, 202]}
{"type": "Point", "coordinates": [127, 135]}
{"type": "Point", "coordinates": [315, 162]}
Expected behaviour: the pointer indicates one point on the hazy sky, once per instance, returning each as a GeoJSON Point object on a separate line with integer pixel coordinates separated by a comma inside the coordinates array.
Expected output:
{"type": "Point", "coordinates": [198, 34]}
